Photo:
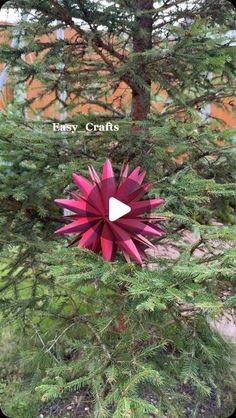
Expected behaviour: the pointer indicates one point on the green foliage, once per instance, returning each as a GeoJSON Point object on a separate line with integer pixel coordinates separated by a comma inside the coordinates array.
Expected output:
{"type": "Point", "coordinates": [66, 303]}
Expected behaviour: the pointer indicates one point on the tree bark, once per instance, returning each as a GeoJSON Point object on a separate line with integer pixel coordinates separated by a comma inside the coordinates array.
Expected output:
{"type": "Point", "coordinates": [142, 42]}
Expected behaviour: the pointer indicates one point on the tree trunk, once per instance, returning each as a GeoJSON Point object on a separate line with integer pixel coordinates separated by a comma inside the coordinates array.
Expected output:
{"type": "Point", "coordinates": [142, 41]}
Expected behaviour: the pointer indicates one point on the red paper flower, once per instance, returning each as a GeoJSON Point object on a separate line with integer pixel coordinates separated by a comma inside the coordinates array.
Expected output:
{"type": "Point", "coordinates": [92, 222]}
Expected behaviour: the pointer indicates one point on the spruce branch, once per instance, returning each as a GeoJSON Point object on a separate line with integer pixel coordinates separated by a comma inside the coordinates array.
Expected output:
{"type": "Point", "coordinates": [42, 341]}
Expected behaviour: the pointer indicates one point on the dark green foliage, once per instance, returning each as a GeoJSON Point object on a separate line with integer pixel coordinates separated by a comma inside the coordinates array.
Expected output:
{"type": "Point", "coordinates": [62, 309]}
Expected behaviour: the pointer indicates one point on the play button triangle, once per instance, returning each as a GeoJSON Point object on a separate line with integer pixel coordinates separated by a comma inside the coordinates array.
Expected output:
{"type": "Point", "coordinates": [117, 209]}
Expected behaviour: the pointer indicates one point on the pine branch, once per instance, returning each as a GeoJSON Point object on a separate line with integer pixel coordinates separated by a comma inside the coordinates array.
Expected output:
{"type": "Point", "coordinates": [96, 41]}
{"type": "Point", "coordinates": [13, 205]}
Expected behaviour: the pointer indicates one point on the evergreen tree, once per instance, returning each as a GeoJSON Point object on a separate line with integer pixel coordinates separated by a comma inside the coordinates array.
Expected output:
{"type": "Point", "coordinates": [61, 307]}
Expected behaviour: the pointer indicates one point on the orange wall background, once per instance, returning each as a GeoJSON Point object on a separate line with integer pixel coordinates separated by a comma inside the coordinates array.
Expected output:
{"type": "Point", "coordinates": [120, 98]}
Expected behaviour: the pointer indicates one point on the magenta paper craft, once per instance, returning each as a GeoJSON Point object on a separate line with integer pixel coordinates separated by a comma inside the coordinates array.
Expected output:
{"type": "Point", "coordinates": [90, 221]}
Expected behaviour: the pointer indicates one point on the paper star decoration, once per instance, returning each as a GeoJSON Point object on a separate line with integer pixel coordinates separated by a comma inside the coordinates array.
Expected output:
{"type": "Point", "coordinates": [91, 221]}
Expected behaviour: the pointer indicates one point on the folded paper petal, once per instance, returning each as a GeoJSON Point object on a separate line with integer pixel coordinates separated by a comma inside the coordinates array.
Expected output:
{"type": "Point", "coordinates": [107, 242]}
{"type": "Point", "coordinates": [139, 192]}
{"type": "Point", "coordinates": [82, 224]}
{"type": "Point", "coordinates": [136, 226]}
{"type": "Point", "coordinates": [80, 207]}
{"type": "Point", "coordinates": [83, 184]}
{"type": "Point", "coordinates": [130, 247]}
{"type": "Point", "coordinates": [108, 184]}
{"type": "Point", "coordinates": [94, 175]}
{"type": "Point", "coordinates": [139, 208]}
{"type": "Point", "coordinates": [89, 236]}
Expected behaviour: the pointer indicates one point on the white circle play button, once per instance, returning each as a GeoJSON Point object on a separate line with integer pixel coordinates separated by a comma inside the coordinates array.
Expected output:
{"type": "Point", "coordinates": [117, 209]}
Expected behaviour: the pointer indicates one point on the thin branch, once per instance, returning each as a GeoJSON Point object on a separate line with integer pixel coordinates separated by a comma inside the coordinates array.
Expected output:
{"type": "Point", "coordinates": [48, 350]}
{"type": "Point", "coordinates": [97, 41]}
{"type": "Point", "coordinates": [42, 341]}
